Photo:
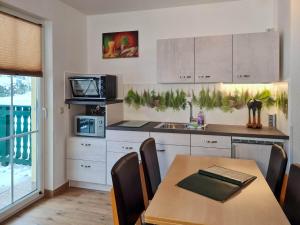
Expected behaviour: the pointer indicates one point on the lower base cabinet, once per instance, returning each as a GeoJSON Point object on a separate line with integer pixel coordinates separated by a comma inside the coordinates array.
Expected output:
{"type": "Point", "coordinates": [167, 153]}
{"type": "Point", "coordinates": [86, 171]}
{"type": "Point", "coordinates": [86, 160]}
{"type": "Point", "coordinates": [115, 150]}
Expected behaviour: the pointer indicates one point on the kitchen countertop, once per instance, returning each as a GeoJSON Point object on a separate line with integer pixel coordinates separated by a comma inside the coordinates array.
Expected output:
{"type": "Point", "coordinates": [211, 129]}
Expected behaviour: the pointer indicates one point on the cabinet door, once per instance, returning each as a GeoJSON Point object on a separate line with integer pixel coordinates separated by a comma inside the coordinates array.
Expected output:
{"type": "Point", "coordinates": [86, 171]}
{"type": "Point", "coordinates": [259, 153]}
{"type": "Point", "coordinates": [166, 155]}
{"type": "Point", "coordinates": [256, 57]}
{"type": "Point", "coordinates": [217, 152]}
{"type": "Point", "coordinates": [171, 138]}
{"type": "Point", "coordinates": [112, 158]}
{"type": "Point", "coordinates": [213, 59]}
{"type": "Point", "coordinates": [92, 149]}
{"type": "Point", "coordinates": [175, 60]}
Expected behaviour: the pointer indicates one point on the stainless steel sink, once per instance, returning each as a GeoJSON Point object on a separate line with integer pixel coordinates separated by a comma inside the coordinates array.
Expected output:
{"type": "Point", "coordinates": [172, 126]}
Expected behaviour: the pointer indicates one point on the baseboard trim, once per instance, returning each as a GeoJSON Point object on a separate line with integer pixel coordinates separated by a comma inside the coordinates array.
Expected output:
{"type": "Point", "coordinates": [58, 191]}
{"type": "Point", "coordinates": [91, 186]}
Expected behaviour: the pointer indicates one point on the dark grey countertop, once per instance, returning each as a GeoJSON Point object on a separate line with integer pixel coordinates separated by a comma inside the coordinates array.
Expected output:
{"type": "Point", "coordinates": [211, 129]}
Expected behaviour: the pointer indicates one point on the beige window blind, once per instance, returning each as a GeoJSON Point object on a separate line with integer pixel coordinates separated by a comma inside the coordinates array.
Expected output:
{"type": "Point", "coordinates": [20, 46]}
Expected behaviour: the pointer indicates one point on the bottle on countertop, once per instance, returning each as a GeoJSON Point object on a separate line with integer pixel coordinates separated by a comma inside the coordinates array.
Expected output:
{"type": "Point", "coordinates": [200, 118]}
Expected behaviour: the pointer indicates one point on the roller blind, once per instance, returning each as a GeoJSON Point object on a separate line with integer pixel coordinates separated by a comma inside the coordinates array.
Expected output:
{"type": "Point", "coordinates": [20, 46]}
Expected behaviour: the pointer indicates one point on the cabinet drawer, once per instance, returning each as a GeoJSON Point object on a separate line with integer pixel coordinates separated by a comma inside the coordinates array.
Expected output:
{"type": "Point", "coordinates": [211, 141]}
{"type": "Point", "coordinates": [129, 136]}
{"type": "Point", "coordinates": [86, 171]}
{"type": "Point", "coordinates": [123, 147]}
{"type": "Point", "coordinates": [171, 138]}
{"type": "Point", "coordinates": [86, 149]}
{"type": "Point", "coordinates": [218, 152]}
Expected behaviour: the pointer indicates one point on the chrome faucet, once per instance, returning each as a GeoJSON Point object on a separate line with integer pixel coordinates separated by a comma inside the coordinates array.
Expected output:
{"type": "Point", "coordinates": [191, 111]}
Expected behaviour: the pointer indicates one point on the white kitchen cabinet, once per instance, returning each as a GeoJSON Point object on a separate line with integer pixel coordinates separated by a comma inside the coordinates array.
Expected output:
{"type": "Point", "coordinates": [86, 160]}
{"type": "Point", "coordinates": [175, 60]}
{"type": "Point", "coordinates": [171, 138]}
{"type": "Point", "coordinates": [112, 158]}
{"type": "Point", "coordinates": [119, 143]}
{"type": "Point", "coordinates": [256, 57]}
{"type": "Point", "coordinates": [210, 145]}
{"type": "Point", "coordinates": [166, 155]}
{"type": "Point", "coordinates": [117, 149]}
{"type": "Point", "coordinates": [126, 136]}
{"type": "Point", "coordinates": [213, 59]}
{"type": "Point", "coordinates": [86, 171]}
{"type": "Point", "coordinates": [93, 149]}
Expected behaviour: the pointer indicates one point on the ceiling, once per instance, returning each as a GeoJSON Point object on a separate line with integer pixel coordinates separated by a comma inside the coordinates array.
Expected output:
{"type": "Point", "coordinates": [91, 7]}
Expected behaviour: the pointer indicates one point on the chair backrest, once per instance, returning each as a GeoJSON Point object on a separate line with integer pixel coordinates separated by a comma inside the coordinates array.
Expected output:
{"type": "Point", "coordinates": [128, 189]}
{"type": "Point", "coordinates": [150, 166]}
{"type": "Point", "coordinates": [291, 203]}
{"type": "Point", "coordinates": [276, 169]}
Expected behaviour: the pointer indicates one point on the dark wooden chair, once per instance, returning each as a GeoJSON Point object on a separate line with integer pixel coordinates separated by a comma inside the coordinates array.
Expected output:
{"type": "Point", "coordinates": [291, 205]}
{"type": "Point", "coordinates": [127, 189]}
{"type": "Point", "coordinates": [150, 166]}
{"type": "Point", "coordinates": [276, 169]}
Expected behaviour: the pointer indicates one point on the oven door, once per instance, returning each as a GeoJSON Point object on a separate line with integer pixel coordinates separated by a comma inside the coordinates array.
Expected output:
{"type": "Point", "coordinates": [85, 126]}
{"type": "Point", "coordinates": [85, 87]}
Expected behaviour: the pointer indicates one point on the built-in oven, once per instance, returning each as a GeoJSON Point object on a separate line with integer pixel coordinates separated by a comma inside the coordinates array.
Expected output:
{"type": "Point", "coordinates": [91, 126]}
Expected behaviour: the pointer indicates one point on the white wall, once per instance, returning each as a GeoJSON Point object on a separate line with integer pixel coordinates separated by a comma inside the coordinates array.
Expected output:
{"type": "Point", "coordinates": [197, 20]}
{"type": "Point", "coordinates": [66, 51]}
{"type": "Point", "coordinates": [294, 72]}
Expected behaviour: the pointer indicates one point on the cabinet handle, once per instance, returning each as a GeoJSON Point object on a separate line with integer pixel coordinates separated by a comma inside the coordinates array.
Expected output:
{"type": "Point", "coordinates": [211, 142]}
{"type": "Point", "coordinates": [244, 76]}
{"type": "Point", "coordinates": [86, 145]}
{"type": "Point", "coordinates": [161, 150]}
{"type": "Point", "coordinates": [204, 76]}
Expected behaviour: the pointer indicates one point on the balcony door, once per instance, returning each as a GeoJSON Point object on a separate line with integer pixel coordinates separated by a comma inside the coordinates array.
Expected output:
{"type": "Point", "coordinates": [20, 141]}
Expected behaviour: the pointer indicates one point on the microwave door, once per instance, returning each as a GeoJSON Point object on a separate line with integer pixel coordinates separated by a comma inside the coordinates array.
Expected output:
{"type": "Point", "coordinates": [85, 88]}
{"type": "Point", "coordinates": [83, 126]}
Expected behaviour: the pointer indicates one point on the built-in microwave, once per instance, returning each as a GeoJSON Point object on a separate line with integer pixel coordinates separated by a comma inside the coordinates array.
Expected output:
{"type": "Point", "coordinates": [94, 87]}
{"type": "Point", "coordinates": [93, 126]}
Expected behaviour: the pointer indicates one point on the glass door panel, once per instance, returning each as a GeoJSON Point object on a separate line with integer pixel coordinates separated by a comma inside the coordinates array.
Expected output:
{"type": "Point", "coordinates": [5, 175]}
{"type": "Point", "coordinates": [24, 168]}
{"type": "Point", "coordinates": [5, 143]}
{"type": "Point", "coordinates": [19, 138]}
{"type": "Point", "coordinates": [25, 129]}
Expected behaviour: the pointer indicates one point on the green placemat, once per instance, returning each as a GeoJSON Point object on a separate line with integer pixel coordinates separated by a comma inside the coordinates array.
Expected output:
{"type": "Point", "coordinates": [208, 186]}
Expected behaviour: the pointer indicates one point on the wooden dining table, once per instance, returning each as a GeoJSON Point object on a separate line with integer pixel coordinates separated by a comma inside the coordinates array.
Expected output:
{"type": "Point", "coordinates": [254, 204]}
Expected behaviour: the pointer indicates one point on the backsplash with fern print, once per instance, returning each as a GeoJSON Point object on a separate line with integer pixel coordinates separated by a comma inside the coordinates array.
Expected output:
{"type": "Point", "coordinates": [222, 103]}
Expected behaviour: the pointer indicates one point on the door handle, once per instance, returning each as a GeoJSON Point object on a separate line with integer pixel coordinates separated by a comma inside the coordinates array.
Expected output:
{"type": "Point", "coordinates": [161, 150]}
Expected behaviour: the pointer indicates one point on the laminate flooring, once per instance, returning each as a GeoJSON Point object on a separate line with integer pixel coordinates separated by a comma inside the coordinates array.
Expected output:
{"type": "Point", "coordinates": [74, 207]}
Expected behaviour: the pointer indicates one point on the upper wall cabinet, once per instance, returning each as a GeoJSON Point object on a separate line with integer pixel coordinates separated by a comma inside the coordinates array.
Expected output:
{"type": "Point", "coordinates": [256, 57]}
{"type": "Point", "coordinates": [175, 60]}
{"type": "Point", "coordinates": [213, 59]}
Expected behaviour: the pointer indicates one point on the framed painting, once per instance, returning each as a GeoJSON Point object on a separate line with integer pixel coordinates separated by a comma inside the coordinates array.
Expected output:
{"type": "Point", "coordinates": [120, 45]}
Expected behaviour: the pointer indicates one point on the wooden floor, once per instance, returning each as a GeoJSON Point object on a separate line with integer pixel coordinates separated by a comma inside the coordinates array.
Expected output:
{"type": "Point", "coordinates": [75, 207]}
